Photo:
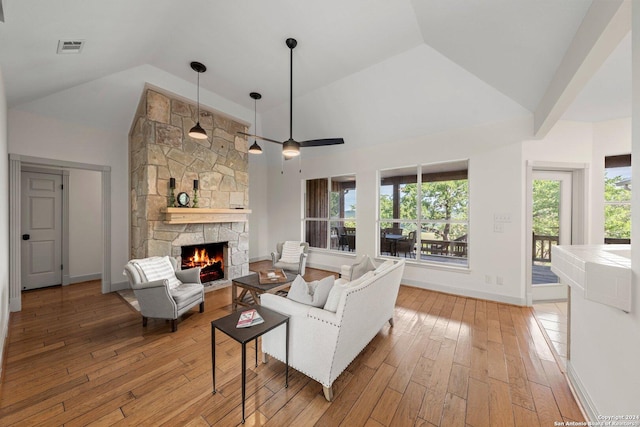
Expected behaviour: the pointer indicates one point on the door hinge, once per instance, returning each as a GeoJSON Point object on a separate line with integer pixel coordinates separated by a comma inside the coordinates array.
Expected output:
{"type": "Point", "coordinates": [61, 267]}
{"type": "Point", "coordinates": [62, 186]}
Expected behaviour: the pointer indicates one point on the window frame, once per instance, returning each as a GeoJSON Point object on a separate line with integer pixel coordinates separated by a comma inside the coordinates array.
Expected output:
{"type": "Point", "coordinates": [348, 182]}
{"type": "Point", "coordinates": [611, 162]}
{"type": "Point", "coordinates": [454, 170]}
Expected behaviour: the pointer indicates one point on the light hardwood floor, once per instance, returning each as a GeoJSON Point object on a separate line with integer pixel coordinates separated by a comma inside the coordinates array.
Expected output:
{"type": "Point", "coordinates": [77, 357]}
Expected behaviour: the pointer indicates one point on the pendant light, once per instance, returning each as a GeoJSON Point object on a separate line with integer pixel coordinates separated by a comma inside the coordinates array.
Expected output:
{"type": "Point", "coordinates": [197, 132]}
{"type": "Point", "coordinates": [255, 148]}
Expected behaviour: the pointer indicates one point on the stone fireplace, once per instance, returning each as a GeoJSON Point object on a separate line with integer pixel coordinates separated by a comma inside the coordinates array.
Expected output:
{"type": "Point", "coordinates": [160, 149]}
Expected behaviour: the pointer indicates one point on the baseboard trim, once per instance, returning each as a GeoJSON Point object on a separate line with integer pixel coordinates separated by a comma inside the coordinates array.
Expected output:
{"type": "Point", "coordinates": [84, 278]}
{"type": "Point", "coordinates": [582, 396]}
{"type": "Point", "coordinates": [330, 268]}
{"type": "Point", "coordinates": [119, 286]}
{"type": "Point", "coordinates": [466, 292]}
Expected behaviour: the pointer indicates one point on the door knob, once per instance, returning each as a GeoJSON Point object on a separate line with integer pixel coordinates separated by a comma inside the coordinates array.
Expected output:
{"type": "Point", "coordinates": [26, 237]}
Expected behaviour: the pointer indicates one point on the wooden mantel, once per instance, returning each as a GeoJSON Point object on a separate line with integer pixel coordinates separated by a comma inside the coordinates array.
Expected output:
{"type": "Point", "coordinates": [204, 215]}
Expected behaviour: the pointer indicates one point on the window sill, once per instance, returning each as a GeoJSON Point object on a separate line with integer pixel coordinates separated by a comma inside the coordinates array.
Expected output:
{"type": "Point", "coordinates": [429, 265]}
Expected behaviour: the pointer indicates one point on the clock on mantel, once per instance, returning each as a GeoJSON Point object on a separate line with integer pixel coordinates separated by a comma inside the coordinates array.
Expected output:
{"type": "Point", "coordinates": [204, 215]}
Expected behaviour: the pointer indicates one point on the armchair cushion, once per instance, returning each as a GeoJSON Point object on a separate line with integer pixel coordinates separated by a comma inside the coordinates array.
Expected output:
{"type": "Point", "coordinates": [157, 268]}
{"type": "Point", "coordinates": [186, 292]}
{"type": "Point", "coordinates": [291, 252]}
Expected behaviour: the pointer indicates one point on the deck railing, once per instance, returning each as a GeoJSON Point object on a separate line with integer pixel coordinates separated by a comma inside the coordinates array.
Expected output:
{"type": "Point", "coordinates": [542, 247]}
{"type": "Point", "coordinates": [452, 248]}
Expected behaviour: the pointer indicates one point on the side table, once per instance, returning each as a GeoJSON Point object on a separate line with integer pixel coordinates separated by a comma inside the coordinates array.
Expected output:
{"type": "Point", "coordinates": [227, 324]}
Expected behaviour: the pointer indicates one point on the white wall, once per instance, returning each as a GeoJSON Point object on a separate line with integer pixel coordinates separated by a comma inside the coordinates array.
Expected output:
{"type": "Point", "coordinates": [39, 136]}
{"type": "Point", "coordinates": [4, 223]}
{"type": "Point", "coordinates": [495, 176]}
{"type": "Point", "coordinates": [607, 370]}
{"type": "Point", "coordinates": [85, 225]}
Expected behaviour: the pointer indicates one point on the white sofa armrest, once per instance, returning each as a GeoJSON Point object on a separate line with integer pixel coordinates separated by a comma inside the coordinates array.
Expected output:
{"type": "Point", "coordinates": [162, 283]}
{"type": "Point", "coordinates": [345, 272]}
{"type": "Point", "coordinates": [325, 316]}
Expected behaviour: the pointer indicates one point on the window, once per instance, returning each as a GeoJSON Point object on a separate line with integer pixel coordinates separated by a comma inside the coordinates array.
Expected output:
{"type": "Point", "coordinates": [617, 199]}
{"type": "Point", "coordinates": [424, 212]}
{"type": "Point", "coordinates": [330, 213]}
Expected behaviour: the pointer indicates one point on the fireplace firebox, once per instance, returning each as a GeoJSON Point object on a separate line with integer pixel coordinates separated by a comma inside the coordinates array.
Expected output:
{"type": "Point", "coordinates": [210, 257]}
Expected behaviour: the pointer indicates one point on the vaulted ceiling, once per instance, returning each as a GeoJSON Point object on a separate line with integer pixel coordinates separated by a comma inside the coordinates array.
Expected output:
{"type": "Point", "coordinates": [424, 65]}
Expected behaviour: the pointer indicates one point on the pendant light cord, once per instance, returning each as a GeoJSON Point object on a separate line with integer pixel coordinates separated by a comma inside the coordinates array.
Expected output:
{"type": "Point", "coordinates": [198, 116]}
{"type": "Point", "coordinates": [291, 94]}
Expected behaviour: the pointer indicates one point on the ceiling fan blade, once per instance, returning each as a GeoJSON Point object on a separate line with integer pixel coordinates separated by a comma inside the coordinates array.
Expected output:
{"type": "Point", "coordinates": [260, 137]}
{"type": "Point", "coordinates": [321, 142]}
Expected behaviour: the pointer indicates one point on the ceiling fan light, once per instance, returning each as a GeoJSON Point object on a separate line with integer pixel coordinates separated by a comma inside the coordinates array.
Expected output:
{"type": "Point", "coordinates": [197, 132]}
{"type": "Point", "coordinates": [290, 148]}
{"type": "Point", "coordinates": [255, 148]}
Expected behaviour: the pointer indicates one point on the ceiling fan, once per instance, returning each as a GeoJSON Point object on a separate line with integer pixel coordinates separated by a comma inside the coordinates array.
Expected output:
{"type": "Point", "coordinates": [291, 147]}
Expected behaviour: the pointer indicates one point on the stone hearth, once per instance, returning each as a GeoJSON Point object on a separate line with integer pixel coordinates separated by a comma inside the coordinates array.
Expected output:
{"type": "Point", "coordinates": [159, 149]}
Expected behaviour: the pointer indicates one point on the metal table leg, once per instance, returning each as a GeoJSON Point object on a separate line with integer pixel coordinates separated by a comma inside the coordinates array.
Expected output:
{"type": "Point", "coordinates": [213, 356]}
{"type": "Point", "coordinates": [244, 376]}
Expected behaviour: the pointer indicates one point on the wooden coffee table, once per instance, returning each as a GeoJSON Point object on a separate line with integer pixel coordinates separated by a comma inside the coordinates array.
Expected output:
{"type": "Point", "coordinates": [250, 284]}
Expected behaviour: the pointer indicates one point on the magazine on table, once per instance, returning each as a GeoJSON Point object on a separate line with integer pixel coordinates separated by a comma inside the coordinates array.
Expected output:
{"type": "Point", "coordinates": [249, 318]}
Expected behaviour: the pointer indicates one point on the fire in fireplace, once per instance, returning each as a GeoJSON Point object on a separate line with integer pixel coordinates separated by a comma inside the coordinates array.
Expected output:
{"type": "Point", "coordinates": [209, 257]}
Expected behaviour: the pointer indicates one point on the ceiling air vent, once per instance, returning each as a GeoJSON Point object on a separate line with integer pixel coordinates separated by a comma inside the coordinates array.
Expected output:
{"type": "Point", "coordinates": [70, 46]}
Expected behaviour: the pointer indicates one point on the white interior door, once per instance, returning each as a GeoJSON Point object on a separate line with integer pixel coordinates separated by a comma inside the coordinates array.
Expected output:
{"type": "Point", "coordinates": [551, 225]}
{"type": "Point", "coordinates": [41, 230]}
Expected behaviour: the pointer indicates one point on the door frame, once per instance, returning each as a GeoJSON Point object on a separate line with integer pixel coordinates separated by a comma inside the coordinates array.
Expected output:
{"type": "Point", "coordinates": [65, 215]}
{"type": "Point", "coordinates": [16, 163]}
{"type": "Point", "coordinates": [579, 198]}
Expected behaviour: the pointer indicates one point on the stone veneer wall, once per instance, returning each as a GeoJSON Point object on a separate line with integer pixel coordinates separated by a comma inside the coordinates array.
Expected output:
{"type": "Point", "coordinates": [159, 148]}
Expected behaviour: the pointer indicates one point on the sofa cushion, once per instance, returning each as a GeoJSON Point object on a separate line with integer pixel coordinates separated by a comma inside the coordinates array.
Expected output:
{"type": "Point", "coordinates": [312, 293]}
{"type": "Point", "coordinates": [291, 252]}
{"type": "Point", "coordinates": [364, 265]}
{"type": "Point", "coordinates": [333, 300]}
{"type": "Point", "coordinates": [157, 268]}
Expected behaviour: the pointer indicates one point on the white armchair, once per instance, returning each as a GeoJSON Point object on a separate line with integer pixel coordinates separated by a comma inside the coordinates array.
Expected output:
{"type": "Point", "coordinates": [163, 291]}
{"type": "Point", "coordinates": [300, 263]}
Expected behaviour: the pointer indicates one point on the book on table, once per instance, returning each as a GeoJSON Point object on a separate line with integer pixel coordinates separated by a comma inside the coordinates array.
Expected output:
{"type": "Point", "coordinates": [249, 318]}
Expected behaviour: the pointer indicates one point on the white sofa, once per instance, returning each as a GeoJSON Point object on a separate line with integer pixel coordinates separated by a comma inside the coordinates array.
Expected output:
{"type": "Point", "coordinates": [323, 343]}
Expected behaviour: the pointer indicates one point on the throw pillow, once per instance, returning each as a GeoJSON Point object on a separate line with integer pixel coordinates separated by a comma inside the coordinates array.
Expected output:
{"type": "Point", "coordinates": [312, 293]}
{"type": "Point", "coordinates": [299, 291]}
{"type": "Point", "coordinates": [291, 252]}
{"type": "Point", "coordinates": [158, 268]}
{"type": "Point", "coordinates": [320, 290]}
{"type": "Point", "coordinates": [333, 299]}
{"type": "Point", "coordinates": [361, 267]}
